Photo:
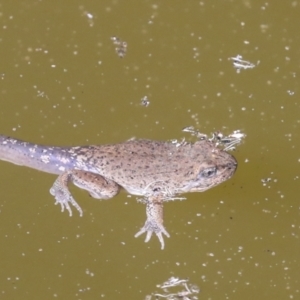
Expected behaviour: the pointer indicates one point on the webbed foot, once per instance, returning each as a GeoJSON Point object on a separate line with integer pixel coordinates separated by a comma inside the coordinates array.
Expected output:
{"type": "Point", "coordinates": [62, 194]}
{"type": "Point", "coordinates": [152, 227]}
{"type": "Point", "coordinates": [154, 222]}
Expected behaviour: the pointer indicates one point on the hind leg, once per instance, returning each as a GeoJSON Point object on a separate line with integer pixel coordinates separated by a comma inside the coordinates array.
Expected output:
{"type": "Point", "coordinates": [97, 186]}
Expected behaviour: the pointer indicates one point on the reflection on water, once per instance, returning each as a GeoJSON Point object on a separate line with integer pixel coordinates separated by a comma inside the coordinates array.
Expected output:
{"type": "Point", "coordinates": [176, 289]}
{"type": "Point", "coordinates": [240, 64]}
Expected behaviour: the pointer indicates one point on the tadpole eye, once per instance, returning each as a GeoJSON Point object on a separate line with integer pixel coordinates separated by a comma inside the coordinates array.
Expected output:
{"type": "Point", "coordinates": [208, 172]}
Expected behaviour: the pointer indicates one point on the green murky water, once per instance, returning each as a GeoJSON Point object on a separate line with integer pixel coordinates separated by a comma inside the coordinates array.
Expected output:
{"type": "Point", "coordinates": [62, 83]}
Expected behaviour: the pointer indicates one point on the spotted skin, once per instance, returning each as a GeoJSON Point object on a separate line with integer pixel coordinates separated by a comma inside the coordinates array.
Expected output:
{"type": "Point", "coordinates": [156, 170]}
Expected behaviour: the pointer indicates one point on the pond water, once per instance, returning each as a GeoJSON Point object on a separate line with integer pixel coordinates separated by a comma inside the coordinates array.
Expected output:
{"type": "Point", "coordinates": [64, 83]}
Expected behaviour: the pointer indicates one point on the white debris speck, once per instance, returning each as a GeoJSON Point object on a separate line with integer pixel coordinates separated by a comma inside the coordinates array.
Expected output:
{"type": "Point", "coordinates": [145, 101]}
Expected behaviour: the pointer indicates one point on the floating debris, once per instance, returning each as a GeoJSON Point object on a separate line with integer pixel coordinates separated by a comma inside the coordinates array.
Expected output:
{"type": "Point", "coordinates": [121, 46]}
{"type": "Point", "coordinates": [195, 132]}
{"type": "Point", "coordinates": [228, 142]}
{"type": "Point", "coordinates": [264, 181]}
{"type": "Point", "coordinates": [145, 101]}
{"type": "Point", "coordinates": [88, 15]}
{"type": "Point", "coordinates": [269, 180]}
{"type": "Point", "coordinates": [188, 293]}
{"type": "Point", "coordinates": [240, 64]}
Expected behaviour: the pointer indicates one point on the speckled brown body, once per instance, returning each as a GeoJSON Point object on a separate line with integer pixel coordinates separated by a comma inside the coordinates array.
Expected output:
{"type": "Point", "coordinates": [153, 169]}
{"type": "Point", "coordinates": [145, 167]}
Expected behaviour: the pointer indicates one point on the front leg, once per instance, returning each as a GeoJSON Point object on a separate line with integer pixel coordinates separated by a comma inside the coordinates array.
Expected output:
{"type": "Point", "coordinates": [97, 186]}
{"type": "Point", "coordinates": [154, 222]}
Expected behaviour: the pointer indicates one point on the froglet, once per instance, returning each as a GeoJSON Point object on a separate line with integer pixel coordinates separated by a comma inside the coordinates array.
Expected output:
{"type": "Point", "coordinates": [156, 170]}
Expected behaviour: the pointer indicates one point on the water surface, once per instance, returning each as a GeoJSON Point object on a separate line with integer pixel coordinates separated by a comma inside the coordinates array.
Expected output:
{"type": "Point", "coordinates": [63, 83]}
